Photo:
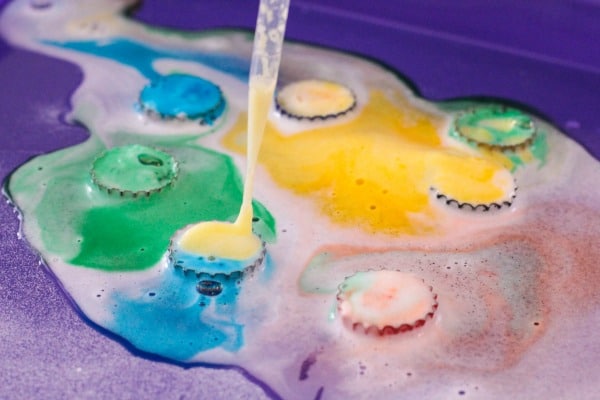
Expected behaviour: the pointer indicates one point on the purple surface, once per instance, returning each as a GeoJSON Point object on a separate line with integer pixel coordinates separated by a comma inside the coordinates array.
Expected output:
{"type": "Point", "coordinates": [545, 56]}
{"type": "Point", "coordinates": [557, 30]}
{"type": "Point", "coordinates": [469, 49]}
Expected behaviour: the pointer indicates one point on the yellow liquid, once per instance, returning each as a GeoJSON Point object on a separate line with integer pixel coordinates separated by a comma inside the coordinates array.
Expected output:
{"type": "Point", "coordinates": [375, 171]}
{"type": "Point", "coordinates": [236, 241]}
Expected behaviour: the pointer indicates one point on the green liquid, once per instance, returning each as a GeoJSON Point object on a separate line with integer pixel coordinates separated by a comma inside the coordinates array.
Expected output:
{"type": "Point", "coordinates": [90, 227]}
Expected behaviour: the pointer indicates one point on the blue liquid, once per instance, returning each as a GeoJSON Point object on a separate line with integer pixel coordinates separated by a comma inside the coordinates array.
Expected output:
{"type": "Point", "coordinates": [177, 95]}
{"type": "Point", "coordinates": [141, 56]}
{"type": "Point", "coordinates": [173, 320]}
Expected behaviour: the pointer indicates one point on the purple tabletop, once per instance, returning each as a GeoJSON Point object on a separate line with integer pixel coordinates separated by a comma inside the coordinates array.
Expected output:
{"type": "Point", "coordinates": [544, 57]}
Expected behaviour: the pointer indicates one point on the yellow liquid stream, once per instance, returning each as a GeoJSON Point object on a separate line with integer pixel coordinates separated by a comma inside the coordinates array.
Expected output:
{"type": "Point", "coordinates": [236, 241]}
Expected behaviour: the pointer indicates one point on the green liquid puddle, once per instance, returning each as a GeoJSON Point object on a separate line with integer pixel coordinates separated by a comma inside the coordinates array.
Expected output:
{"type": "Point", "coordinates": [92, 228]}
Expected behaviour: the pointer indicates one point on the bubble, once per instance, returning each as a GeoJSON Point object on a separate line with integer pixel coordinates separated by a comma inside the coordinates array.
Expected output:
{"type": "Point", "coordinates": [209, 288]}
{"type": "Point", "coordinates": [148, 159]}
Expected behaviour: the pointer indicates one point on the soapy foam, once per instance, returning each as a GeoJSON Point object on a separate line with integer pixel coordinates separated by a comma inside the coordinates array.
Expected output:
{"type": "Point", "coordinates": [511, 285]}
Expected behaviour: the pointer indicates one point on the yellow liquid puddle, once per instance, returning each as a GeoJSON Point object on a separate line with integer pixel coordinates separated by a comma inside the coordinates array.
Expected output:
{"type": "Point", "coordinates": [501, 124]}
{"type": "Point", "coordinates": [221, 239]}
{"type": "Point", "coordinates": [310, 98]}
{"type": "Point", "coordinates": [375, 172]}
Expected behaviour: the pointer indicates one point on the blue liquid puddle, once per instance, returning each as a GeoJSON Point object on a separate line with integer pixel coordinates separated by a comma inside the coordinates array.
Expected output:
{"type": "Point", "coordinates": [141, 56]}
{"type": "Point", "coordinates": [172, 319]}
{"type": "Point", "coordinates": [177, 95]}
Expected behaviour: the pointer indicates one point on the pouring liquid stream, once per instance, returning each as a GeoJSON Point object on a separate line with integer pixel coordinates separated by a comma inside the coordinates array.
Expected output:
{"type": "Point", "coordinates": [236, 240]}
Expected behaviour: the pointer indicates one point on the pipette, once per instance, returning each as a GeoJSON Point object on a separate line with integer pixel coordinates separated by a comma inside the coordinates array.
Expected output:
{"type": "Point", "coordinates": [264, 68]}
{"type": "Point", "coordinates": [236, 240]}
